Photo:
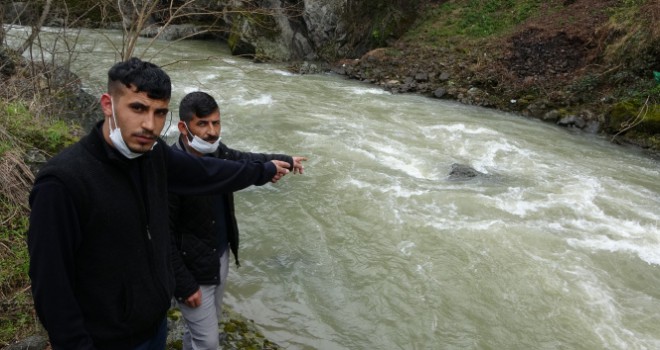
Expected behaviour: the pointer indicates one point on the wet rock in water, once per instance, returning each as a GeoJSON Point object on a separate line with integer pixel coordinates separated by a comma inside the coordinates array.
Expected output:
{"type": "Point", "coordinates": [463, 172]}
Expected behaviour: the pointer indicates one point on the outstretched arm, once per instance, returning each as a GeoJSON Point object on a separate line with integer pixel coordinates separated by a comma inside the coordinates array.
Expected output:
{"type": "Point", "coordinates": [192, 175]}
{"type": "Point", "coordinates": [295, 163]}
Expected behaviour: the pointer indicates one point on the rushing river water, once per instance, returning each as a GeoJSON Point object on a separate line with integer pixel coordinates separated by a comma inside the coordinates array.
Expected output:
{"type": "Point", "coordinates": [374, 247]}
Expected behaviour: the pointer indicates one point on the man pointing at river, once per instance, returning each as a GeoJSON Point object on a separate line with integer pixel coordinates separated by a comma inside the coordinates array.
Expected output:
{"type": "Point", "coordinates": [204, 228]}
{"type": "Point", "coordinates": [99, 239]}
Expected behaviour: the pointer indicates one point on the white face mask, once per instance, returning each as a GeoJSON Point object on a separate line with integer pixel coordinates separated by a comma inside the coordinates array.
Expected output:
{"type": "Point", "coordinates": [201, 146]}
{"type": "Point", "coordinates": [118, 140]}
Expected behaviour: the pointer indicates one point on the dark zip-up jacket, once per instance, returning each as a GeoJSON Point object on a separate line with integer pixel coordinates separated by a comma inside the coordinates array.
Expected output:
{"type": "Point", "coordinates": [99, 238]}
{"type": "Point", "coordinates": [195, 255]}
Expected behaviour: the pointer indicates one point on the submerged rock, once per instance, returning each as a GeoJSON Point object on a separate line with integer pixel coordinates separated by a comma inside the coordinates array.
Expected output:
{"type": "Point", "coordinates": [463, 172]}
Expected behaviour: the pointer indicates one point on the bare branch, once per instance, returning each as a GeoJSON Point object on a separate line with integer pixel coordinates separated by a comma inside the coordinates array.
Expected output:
{"type": "Point", "coordinates": [36, 29]}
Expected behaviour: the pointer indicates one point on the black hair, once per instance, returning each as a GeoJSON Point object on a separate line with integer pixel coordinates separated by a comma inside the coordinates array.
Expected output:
{"type": "Point", "coordinates": [199, 104]}
{"type": "Point", "coordinates": [142, 76]}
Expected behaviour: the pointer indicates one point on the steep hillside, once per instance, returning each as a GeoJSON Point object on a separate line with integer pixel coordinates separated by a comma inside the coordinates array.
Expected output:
{"type": "Point", "coordinates": [586, 64]}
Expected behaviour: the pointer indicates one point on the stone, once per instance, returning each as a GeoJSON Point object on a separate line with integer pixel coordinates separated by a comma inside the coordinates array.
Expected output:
{"type": "Point", "coordinates": [439, 92]}
{"type": "Point", "coordinates": [463, 172]}
{"type": "Point", "coordinates": [551, 116]}
{"type": "Point", "coordinates": [421, 77]}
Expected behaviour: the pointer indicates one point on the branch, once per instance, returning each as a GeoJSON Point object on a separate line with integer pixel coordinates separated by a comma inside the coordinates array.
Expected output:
{"type": "Point", "coordinates": [36, 29]}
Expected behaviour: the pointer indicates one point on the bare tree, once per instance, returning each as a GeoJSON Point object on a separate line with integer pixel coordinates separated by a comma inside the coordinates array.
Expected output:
{"type": "Point", "coordinates": [138, 15]}
{"type": "Point", "coordinates": [36, 28]}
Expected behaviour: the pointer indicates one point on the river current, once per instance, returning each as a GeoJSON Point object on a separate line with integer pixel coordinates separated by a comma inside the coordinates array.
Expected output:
{"type": "Point", "coordinates": [556, 246]}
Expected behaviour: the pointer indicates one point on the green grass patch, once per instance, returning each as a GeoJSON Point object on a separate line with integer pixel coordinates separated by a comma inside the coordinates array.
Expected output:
{"type": "Point", "coordinates": [636, 116]}
{"type": "Point", "coordinates": [473, 19]}
{"type": "Point", "coordinates": [50, 135]}
{"type": "Point", "coordinates": [20, 130]}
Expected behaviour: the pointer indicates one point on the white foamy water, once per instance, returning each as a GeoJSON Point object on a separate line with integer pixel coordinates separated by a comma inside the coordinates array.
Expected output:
{"type": "Point", "coordinates": [555, 247]}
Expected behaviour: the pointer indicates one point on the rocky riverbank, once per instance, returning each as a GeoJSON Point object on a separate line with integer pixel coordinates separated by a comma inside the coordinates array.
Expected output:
{"type": "Point", "coordinates": [237, 333]}
{"type": "Point", "coordinates": [561, 71]}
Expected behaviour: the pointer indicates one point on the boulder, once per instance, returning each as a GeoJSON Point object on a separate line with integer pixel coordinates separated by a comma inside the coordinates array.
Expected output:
{"type": "Point", "coordinates": [463, 172]}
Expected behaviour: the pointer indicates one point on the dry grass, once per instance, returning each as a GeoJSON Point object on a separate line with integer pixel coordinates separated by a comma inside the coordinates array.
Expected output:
{"type": "Point", "coordinates": [16, 179]}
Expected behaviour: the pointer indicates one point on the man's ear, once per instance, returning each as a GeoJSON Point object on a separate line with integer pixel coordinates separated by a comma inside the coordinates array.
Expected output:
{"type": "Point", "coordinates": [106, 105]}
{"type": "Point", "coordinates": [182, 128]}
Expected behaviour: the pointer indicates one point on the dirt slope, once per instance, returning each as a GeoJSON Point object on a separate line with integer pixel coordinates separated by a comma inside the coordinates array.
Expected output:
{"type": "Point", "coordinates": [584, 64]}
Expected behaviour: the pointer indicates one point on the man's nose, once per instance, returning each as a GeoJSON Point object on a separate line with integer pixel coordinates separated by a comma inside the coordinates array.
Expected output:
{"type": "Point", "coordinates": [214, 131]}
{"type": "Point", "coordinates": [149, 122]}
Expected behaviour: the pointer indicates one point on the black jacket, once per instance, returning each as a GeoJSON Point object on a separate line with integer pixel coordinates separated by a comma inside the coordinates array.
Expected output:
{"type": "Point", "coordinates": [195, 254]}
{"type": "Point", "coordinates": [99, 239]}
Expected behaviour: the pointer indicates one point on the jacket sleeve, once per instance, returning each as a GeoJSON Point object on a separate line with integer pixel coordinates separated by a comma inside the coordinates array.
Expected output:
{"type": "Point", "coordinates": [53, 237]}
{"type": "Point", "coordinates": [191, 175]}
{"type": "Point", "coordinates": [185, 282]}
{"type": "Point", "coordinates": [233, 154]}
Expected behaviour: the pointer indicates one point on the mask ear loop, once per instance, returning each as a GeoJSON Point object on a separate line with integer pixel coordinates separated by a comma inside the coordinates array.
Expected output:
{"type": "Point", "coordinates": [112, 106]}
{"type": "Point", "coordinates": [190, 136]}
{"type": "Point", "coordinates": [165, 130]}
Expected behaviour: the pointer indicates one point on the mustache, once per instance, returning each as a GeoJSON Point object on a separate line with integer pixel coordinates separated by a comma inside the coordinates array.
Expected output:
{"type": "Point", "coordinates": [147, 134]}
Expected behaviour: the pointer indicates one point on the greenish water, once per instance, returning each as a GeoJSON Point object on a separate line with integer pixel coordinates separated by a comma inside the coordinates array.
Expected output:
{"type": "Point", "coordinates": [374, 247]}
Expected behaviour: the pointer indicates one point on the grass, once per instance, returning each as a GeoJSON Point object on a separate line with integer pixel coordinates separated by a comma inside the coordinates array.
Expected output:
{"type": "Point", "coordinates": [29, 130]}
{"type": "Point", "coordinates": [16, 316]}
{"type": "Point", "coordinates": [471, 19]}
{"type": "Point", "coordinates": [20, 130]}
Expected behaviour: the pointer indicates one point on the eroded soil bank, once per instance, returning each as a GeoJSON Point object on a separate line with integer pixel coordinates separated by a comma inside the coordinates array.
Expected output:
{"type": "Point", "coordinates": [574, 64]}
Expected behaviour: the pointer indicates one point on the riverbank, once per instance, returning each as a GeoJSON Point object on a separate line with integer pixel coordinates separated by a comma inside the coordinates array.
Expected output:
{"type": "Point", "coordinates": [238, 333]}
{"type": "Point", "coordinates": [570, 63]}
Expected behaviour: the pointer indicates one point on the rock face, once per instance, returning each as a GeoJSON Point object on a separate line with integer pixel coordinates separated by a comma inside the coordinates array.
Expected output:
{"type": "Point", "coordinates": [268, 30]}
{"type": "Point", "coordinates": [286, 32]}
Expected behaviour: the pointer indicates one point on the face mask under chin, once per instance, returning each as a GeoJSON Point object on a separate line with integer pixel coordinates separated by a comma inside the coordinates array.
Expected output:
{"type": "Point", "coordinates": [201, 146]}
{"type": "Point", "coordinates": [118, 140]}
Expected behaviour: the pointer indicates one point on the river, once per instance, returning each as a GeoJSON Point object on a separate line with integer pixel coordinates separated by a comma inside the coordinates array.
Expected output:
{"type": "Point", "coordinates": [556, 246]}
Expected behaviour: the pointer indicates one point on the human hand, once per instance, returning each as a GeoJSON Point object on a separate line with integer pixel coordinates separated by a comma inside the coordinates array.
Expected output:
{"type": "Point", "coordinates": [195, 299]}
{"type": "Point", "coordinates": [282, 169]}
{"type": "Point", "coordinates": [297, 165]}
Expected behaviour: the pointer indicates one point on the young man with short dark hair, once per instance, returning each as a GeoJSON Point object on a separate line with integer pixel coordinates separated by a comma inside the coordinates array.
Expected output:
{"type": "Point", "coordinates": [99, 239]}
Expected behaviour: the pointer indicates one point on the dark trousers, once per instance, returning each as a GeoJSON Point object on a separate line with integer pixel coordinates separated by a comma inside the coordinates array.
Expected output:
{"type": "Point", "coordinates": [157, 342]}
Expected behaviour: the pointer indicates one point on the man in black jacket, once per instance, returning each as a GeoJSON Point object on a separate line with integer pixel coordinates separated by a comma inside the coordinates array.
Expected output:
{"type": "Point", "coordinates": [204, 228]}
{"type": "Point", "coordinates": [99, 239]}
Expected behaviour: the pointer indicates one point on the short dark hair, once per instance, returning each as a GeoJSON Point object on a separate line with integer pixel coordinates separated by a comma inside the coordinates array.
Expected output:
{"type": "Point", "coordinates": [143, 76]}
{"type": "Point", "coordinates": [199, 104]}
